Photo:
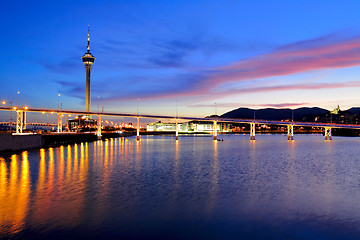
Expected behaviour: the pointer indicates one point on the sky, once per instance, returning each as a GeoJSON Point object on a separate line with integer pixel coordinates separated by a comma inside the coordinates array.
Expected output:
{"type": "Point", "coordinates": [194, 57]}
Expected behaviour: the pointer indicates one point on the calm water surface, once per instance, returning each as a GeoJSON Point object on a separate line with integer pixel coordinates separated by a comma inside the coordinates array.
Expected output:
{"type": "Point", "coordinates": [194, 188]}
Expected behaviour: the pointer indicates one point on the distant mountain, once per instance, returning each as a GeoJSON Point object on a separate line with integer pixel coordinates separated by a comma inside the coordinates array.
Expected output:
{"type": "Point", "coordinates": [354, 110]}
{"type": "Point", "coordinates": [300, 114]}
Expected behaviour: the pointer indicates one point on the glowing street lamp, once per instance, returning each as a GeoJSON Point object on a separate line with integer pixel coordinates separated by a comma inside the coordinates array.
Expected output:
{"type": "Point", "coordinates": [59, 101]}
{"type": "Point", "coordinates": [10, 121]}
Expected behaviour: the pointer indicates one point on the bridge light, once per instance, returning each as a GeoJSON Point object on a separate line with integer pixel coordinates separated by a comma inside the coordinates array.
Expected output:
{"type": "Point", "coordinates": [14, 108]}
{"type": "Point", "coordinates": [52, 112]}
{"type": "Point", "coordinates": [69, 115]}
{"type": "Point", "coordinates": [3, 102]}
{"type": "Point", "coordinates": [26, 108]}
{"type": "Point", "coordinates": [43, 112]}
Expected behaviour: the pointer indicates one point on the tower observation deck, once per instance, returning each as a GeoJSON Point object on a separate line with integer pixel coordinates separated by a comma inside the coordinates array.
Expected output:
{"type": "Point", "coordinates": [88, 60]}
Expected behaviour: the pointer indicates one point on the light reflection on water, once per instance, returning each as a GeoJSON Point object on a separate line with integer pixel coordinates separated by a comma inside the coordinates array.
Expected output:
{"type": "Point", "coordinates": [192, 188]}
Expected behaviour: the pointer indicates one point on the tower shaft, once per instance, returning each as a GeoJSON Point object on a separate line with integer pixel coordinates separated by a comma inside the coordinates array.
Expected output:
{"type": "Point", "coordinates": [88, 98]}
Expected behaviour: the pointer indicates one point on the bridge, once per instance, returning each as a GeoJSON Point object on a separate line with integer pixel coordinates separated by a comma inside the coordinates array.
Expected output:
{"type": "Point", "coordinates": [33, 124]}
{"type": "Point", "coordinates": [21, 121]}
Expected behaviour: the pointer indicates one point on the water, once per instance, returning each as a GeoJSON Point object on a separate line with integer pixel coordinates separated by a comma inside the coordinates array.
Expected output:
{"type": "Point", "coordinates": [191, 189]}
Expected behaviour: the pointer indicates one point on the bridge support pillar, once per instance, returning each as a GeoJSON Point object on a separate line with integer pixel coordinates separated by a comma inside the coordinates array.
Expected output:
{"type": "Point", "coordinates": [59, 125]}
{"type": "Point", "coordinates": [176, 130]}
{"type": "Point", "coordinates": [215, 131]}
{"type": "Point", "coordinates": [290, 132]}
{"type": "Point", "coordinates": [252, 131]}
{"type": "Point", "coordinates": [19, 121]}
{"type": "Point", "coordinates": [138, 130]}
{"type": "Point", "coordinates": [99, 127]}
{"type": "Point", "coordinates": [328, 136]}
{"type": "Point", "coordinates": [24, 120]}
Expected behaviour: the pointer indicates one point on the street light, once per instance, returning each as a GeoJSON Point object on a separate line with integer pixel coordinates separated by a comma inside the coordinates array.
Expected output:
{"type": "Point", "coordinates": [16, 98]}
{"type": "Point", "coordinates": [10, 121]}
{"type": "Point", "coordinates": [47, 120]}
{"type": "Point", "coordinates": [59, 101]}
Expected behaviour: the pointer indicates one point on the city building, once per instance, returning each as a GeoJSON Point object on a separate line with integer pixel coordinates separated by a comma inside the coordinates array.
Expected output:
{"type": "Point", "coordinates": [189, 127]}
{"type": "Point", "coordinates": [82, 123]}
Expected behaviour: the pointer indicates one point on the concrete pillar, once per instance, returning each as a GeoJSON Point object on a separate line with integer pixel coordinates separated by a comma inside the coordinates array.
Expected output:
{"type": "Point", "coordinates": [19, 121]}
{"type": "Point", "coordinates": [215, 131]}
{"type": "Point", "coordinates": [99, 127]}
{"type": "Point", "coordinates": [176, 130]}
{"type": "Point", "coordinates": [138, 130]}
{"type": "Point", "coordinates": [59, 125]}
{"type": "Point", "coordinates": [328, 136]}
{"type": "Point", "coordinates": [290, 134]}
{"type": "Point", "coordinates": [252, 131]}
{"type": "Point", "coordinates": [24, 120]}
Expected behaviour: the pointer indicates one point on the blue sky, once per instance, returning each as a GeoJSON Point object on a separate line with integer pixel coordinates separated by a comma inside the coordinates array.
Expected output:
{"type": "Point", "coordinates": [196, 53]}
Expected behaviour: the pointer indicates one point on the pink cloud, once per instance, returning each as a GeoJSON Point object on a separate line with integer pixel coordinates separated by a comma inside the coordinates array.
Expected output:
{"type": "Point", "coordinates": [306, 86]}
{"type": "Point", "coordinates": [236, 105]}
{"type": "Point", "coordinates": [298, 58]}
{"type": "Point", "coordinates": [328, 52]}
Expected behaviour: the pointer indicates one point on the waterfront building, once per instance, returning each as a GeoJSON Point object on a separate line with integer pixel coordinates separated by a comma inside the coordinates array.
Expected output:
{"type": "Point", "coordinates": [82, 123]}
{"type": "Point", "coordinates": [189, 127]}
{"type": "Point", "coordinates": [162, 126]}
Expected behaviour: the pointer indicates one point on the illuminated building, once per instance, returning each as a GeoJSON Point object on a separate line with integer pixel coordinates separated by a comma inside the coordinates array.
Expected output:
{"type": "Point", "coordinates": [82, 123]}
{"type": "Point", "coordinates": [189, 127]}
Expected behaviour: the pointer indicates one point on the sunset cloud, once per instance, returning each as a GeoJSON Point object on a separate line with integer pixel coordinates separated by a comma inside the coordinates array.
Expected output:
{"type": "Point", "coordinates": [236, 105]}
{"type": "Point", "coordinates": [327, 52]}
{"type": "Point", "coordinates": [322, 53]}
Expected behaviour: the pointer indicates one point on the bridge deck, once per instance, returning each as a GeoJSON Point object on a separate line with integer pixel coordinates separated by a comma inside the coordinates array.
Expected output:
{"type": "Point", "coordinates": [229, 120]}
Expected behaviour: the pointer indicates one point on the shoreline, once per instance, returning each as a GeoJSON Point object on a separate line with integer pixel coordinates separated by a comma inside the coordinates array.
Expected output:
{"type": "Point", "coordinates": [10, 144]}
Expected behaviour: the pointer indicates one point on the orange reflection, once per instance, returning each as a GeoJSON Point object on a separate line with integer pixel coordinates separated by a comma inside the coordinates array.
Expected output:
{"type": "Point", "coordinates": [95, 146]}
{"type": "Point", "coordinates": [68, 185]}
{"type": "Point", "coordinates": [75, 162]}
{"type": "Point", "coordinates": [24, 192]}
{"type": "Point", "coordinates": [4, 212]}
{"type": "Point", "coordinates": [14, 194]}
{"type": "Point", "coordinates": [116, 146]}
{"type": "Point", "coordinates": [61, 165]}
{"type": "Point", "coordinates": [41, 200]}
{"type": "Point", "coordinates": [138, 156]}
{"type": "Point", "coordinates": [106, 157]}
{"type": "Point", "coordinates": [68, 165]}
{"type": "Point", "coordinates": [51, 169]}
{"type": "Point", "coordinates": [111, 151]}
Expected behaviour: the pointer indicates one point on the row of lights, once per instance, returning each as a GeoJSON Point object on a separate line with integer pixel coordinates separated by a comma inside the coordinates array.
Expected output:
{"type": "Point", "coordinates": [15, 108]}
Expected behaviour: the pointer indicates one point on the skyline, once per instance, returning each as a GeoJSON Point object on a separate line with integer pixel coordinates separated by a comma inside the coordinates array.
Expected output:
{"type": "Point", "coordinates": [194, 55]}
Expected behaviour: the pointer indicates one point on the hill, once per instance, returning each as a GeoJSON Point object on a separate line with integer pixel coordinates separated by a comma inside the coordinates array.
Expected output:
{"type": "Point", "coordinates": [300, 114]}
{"type": "Point", "coordinates": [354, 110]}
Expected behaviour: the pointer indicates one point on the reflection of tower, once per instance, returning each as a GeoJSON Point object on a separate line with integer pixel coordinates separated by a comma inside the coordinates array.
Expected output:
{"type": "Point", "coordinates": [88, 60]}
